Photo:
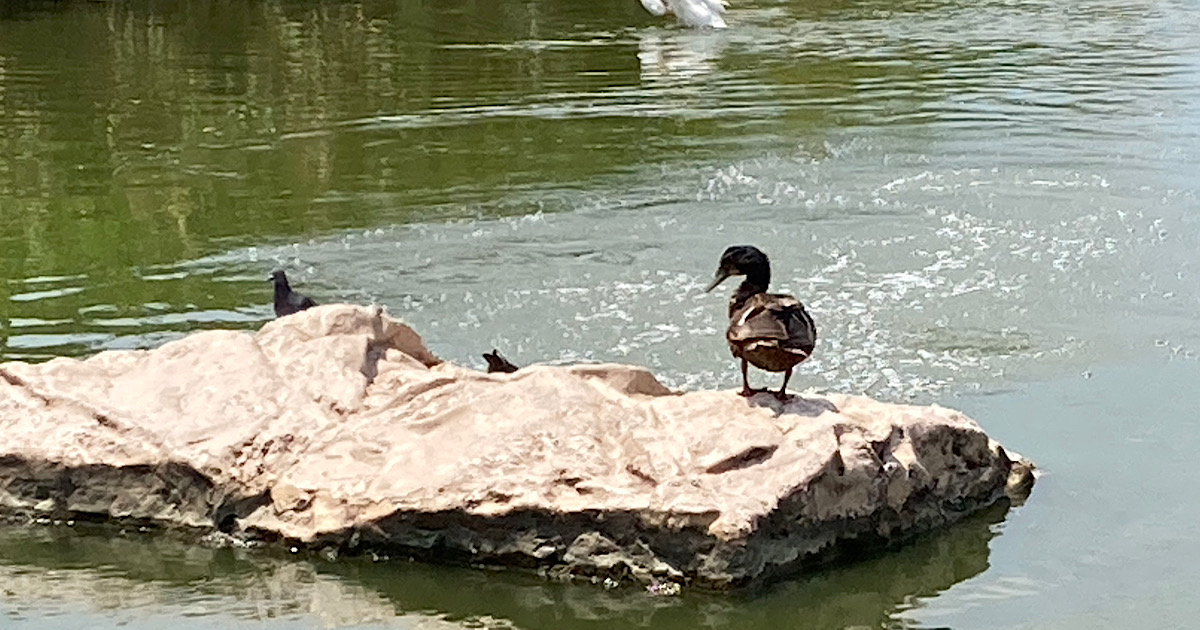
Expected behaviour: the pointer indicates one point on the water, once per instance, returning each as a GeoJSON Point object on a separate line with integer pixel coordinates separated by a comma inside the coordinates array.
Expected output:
{"type": "Point", "coordinates": [989, 205]}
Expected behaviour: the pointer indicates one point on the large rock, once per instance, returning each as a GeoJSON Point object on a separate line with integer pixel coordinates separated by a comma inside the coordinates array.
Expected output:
{"type": "Point", "coordinates": [336, 427]}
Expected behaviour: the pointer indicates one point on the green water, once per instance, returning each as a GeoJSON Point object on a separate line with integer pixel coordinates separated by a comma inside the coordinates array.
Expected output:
{"type": "Point", "coordinates": [990, 205]}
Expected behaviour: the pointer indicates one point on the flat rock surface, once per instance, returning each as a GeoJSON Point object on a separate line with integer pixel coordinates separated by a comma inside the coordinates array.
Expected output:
{"type": "Point", "coordinates": [336, 427]}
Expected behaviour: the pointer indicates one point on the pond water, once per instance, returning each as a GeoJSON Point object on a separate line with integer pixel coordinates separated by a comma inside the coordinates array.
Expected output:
{"type": "Point", "coordinates": [991, 205]}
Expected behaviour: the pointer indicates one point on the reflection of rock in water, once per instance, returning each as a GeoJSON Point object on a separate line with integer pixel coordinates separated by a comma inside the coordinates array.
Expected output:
{"type": "Point", "coordinates": [871, 591]}
{"type": "Point", "coordinates": [50, 569]}
{"type": "Point", "coordinates": [46, 570]}
{"type": "Point", "coordinates": [667, 57]}
{"type": "Point", "coordinates": [867, 592]}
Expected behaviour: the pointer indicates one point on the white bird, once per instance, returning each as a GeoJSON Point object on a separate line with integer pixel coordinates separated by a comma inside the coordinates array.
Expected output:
{"type": "Point", "coordinates": [693, 13]}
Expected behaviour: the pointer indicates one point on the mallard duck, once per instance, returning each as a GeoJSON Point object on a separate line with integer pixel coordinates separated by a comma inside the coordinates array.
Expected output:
{"type": "Point", "coordinates": [497, 363]}
{"type": "Point", "coordinates": [288, 301]}
{"type": "Point", "coordinates": [770, 330]}
{"type": "Point", "coordinates": [693, 13]}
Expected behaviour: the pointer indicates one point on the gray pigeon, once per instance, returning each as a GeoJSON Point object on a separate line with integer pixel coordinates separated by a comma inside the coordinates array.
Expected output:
{"type": "Point", "coordinates": [288, 301]}
{"type": "Point", "coordinates": [497, 363]}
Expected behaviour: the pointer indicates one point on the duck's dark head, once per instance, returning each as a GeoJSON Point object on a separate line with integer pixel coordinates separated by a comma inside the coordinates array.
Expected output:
{"type": "Point", "coordinates": [743, 260]}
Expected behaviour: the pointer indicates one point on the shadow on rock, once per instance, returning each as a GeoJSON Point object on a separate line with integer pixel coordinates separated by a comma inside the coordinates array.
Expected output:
{"type": "Point", "coordinates": [811, 406]}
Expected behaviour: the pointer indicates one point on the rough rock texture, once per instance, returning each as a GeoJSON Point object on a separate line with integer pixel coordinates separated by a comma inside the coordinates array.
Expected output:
{"type": "Point", "coordinates": [336, 427]}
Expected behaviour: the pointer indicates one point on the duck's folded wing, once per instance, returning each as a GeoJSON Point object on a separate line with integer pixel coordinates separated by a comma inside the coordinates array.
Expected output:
{"type": "Point", "coordinates": [763, 317]}
{"type": "Point", "coordinates": [778, 318]}
{"type": "Point", "coordinates": [801, 331]}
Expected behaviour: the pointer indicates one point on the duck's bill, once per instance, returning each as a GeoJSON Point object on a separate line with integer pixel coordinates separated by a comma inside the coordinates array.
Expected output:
{"type": "Point", "coordinates": [721, 276]}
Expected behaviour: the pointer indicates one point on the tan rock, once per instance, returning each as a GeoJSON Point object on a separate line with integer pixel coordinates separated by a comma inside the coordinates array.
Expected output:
{"type": "Point", "coordinates": [337, 427]}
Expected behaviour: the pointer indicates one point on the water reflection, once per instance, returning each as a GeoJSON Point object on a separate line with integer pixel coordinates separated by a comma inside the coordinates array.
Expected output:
{"type": "Point", "coordinates": [667, 57]}
{"type": "Point", "coordinates": [55, 570]}
{"type": "Point", "coordinates": [855, 134]}
{"type": "Point", "coordinates": [161, 132]}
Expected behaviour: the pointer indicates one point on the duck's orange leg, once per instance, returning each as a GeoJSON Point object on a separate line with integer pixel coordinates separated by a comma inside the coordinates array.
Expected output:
{"type": "Point", "coordinates": [782, 394]}
{"type": "Point", "coordinates": [746, 390]}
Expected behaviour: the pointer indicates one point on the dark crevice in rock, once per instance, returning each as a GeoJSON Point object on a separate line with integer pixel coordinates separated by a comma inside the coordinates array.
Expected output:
{"type": "Point", "coordinates": [884, 447]}
{"type": "Point", "coordinates": [226, 516]}
{"type": "Point", "coordinates": [16, 381]}
{"type": "Point", "coordinates": [105, 421]}
{"type": "Point", "coordinates": [641, 474]}
{"type": "Point", "coordinates": [748, 457]}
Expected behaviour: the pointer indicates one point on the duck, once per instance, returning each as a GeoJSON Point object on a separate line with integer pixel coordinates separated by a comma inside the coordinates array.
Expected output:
{"type": "Point", "coordinates": [693, 13]}
{"type": "Point", "coordinates": [288, 301]}
{"type": "Point", "coordinates": [772, 331]}
{"type": "Point", "coordinates": [497, 363]}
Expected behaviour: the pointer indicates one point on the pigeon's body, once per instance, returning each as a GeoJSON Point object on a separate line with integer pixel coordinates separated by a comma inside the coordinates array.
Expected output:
{"type": "Point", "coordinates": [497, 363]}
{"type": "Point", "coordinates": [288, 301]}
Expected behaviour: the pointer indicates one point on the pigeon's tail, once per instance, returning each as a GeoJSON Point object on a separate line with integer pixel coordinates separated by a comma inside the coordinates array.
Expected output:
{"type": "Point", "coordinates": [497, 363]}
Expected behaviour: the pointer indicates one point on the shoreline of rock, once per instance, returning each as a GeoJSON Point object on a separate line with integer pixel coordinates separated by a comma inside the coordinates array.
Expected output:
{"type": "Point", "coordinates": [336, 428]}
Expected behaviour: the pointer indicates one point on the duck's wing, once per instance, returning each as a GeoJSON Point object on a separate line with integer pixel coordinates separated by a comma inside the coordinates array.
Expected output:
{"type": "Point", "coordinates": [776, 318]}
{"type": "Point", "coordinates": [802, 331]}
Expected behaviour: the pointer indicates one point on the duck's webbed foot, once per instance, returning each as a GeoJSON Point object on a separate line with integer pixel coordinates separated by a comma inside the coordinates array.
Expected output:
{"type": "Point", "coordinates": [749, 391]}
{"type": "Point", "coordinates": [782, 396]}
